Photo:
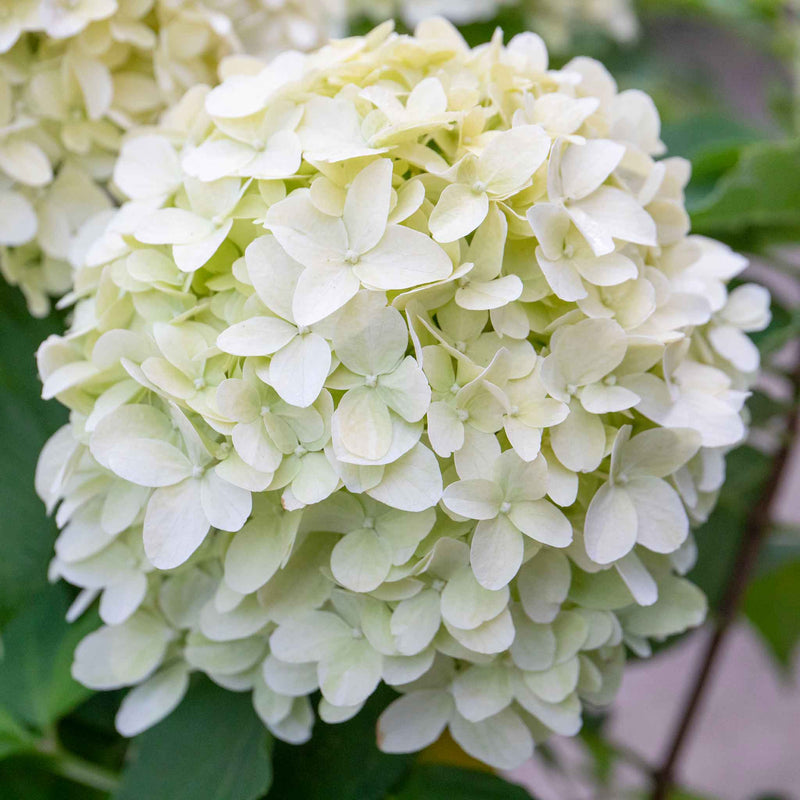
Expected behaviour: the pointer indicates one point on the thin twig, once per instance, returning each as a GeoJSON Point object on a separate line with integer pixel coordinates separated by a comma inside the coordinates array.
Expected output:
{"type": "Point", "coordinates": [755, 533]}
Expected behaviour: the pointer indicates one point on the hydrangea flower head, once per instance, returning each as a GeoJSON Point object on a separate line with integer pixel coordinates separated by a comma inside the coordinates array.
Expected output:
{"type": "Point", "coordinates": [399, 365]}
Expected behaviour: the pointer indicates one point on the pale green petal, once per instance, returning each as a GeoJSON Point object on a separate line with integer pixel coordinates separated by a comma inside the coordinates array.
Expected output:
{"type": "Point", "coordinates": [556, 684]}
{"type": "Point", "coordinates": [361, 560]}
{"type": "Point", "coordinates": [466, 604]}
{"type": "Point", "coordinates": [542, 521]}
{"type": "Point", "coordinates": [308, 637]}
{"type": "Point", "coordinates": [543, 584]}
{"type": "Point", "coordinates": [511, 158]}
{"type": "Point", "coordinates": [460, 211]}
{"type": "Point", "coordinates": [503, 741]}
{"type": "Point", "coordinates": [659, 452]}
{"type": "Point", "coordinates": [350, 674]}
{"type": "Point", "coordinates": [365, 426]}
{"type": "Point", "coordinates": [481, 692]}
{"type": "Point", "coordinates": [414, 721]}
{"type": "Point", "coordinates": [415, 622]}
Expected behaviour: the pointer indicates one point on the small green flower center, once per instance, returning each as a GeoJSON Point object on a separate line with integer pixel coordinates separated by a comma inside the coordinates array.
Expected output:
{"type": "Point", "coordinates": [370, 381]}
{"type": "Point", "coordinates": [505, 507]}
{"type": "Point", "coordinates": [352, 257]}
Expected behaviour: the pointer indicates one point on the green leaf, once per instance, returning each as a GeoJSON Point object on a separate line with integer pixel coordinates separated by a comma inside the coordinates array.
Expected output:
{"type": "Point", "coordinates": [711, 141]}
{"type": "Point", "coordinates": [772, 604]}
{"type": "Point", "coordinates": [35, 681]}
{"type": "Point", "coordinates": [437, 782]}
{"type": "Point", "coordinates": [13, 737]}
{"type": "Point", "coordinates": [760, 195]}
{"type": "Point", "coordinates": [341, 761]}
{"type": "Point", "coordinates": [212, 747]}
{"type": "Point", "coordinates": [29, 778]}
{"type": "Point", "coordinates": [26, 422]}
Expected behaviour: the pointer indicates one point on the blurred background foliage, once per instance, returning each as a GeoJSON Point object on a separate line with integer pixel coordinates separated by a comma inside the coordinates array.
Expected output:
{"type": "Point", "coordinates": [725, 75]}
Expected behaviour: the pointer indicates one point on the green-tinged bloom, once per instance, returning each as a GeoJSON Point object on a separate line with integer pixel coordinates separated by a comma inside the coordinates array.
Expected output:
{"type": "Point", "coordinates": [398, 365]}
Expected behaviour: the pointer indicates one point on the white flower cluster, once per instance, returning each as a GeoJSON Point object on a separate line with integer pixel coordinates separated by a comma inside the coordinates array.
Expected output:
{"type": "Point", "coordinates": [399, 365]}
{"type": "Point", "coordinates": [75, 75]}
{"type": "Point", "coordinates": [555, 20]}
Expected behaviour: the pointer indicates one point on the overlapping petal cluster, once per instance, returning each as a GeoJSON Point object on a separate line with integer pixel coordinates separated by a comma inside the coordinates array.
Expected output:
{"type": "Point", "coordinates": [75, 75]}
{"type": "Point", "coordinates": [556, 20]}
{"type": "Point", "coordinates": [399, 365]}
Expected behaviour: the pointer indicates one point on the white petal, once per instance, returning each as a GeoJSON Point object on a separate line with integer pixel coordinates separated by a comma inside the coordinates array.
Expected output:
{"type": "Point", "coordinates": [412, 483]}
{"type": "Point", "coordinates": [458, 212]}
{"type": "Point", "coordinates": [611, 525]}
{"type": "Point", "coordinates": [402, 259]}
{"type": "Point", "coordinates": [481, 295]}
{"type": "Point", "coordinates": [366, 208]}
{"type": "Point", "coordinates": [496, 552]}
{"type": "Point", "coordinates": [226, 506]}
{"type": "Point", "coordinates": [474, 499]}
{"type": "Point", "coordinates": [173, 226]}
{"type": "Point", "coordinates": [149, 462]}
{"type": "Point", "coordinates": [579, 442]}
{"type": "Point", "coordinates": [663, 524]}
{"type": "Point", "coordinates": [152, 700]}
{"type": "Point", "coordinates": [364, 423]}
{"type": "Point", "coordinates": [18, 221]}
{"type": "Point", "coordinates": [321, 292]}
{"type": "Point", "coordinates": [614, 214]}
{"type": "Point", "coordinates": [175, 524]}
{"type": "Point", "coordinates": [257, 336]}
{"type": "Point", "coordinates": [298, 371]}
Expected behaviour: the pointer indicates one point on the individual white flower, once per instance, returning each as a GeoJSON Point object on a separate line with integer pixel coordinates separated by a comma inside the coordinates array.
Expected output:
{"type": "Point", "coordinates": [360, 247]}
{"type": "Point", "coordinates": [388, 370]}
{"type": "Point", "coordinates": [507, 506]}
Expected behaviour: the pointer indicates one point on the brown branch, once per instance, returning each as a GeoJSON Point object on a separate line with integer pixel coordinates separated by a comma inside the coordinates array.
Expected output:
{"type": "Point", "coordinates": [755, 533]}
